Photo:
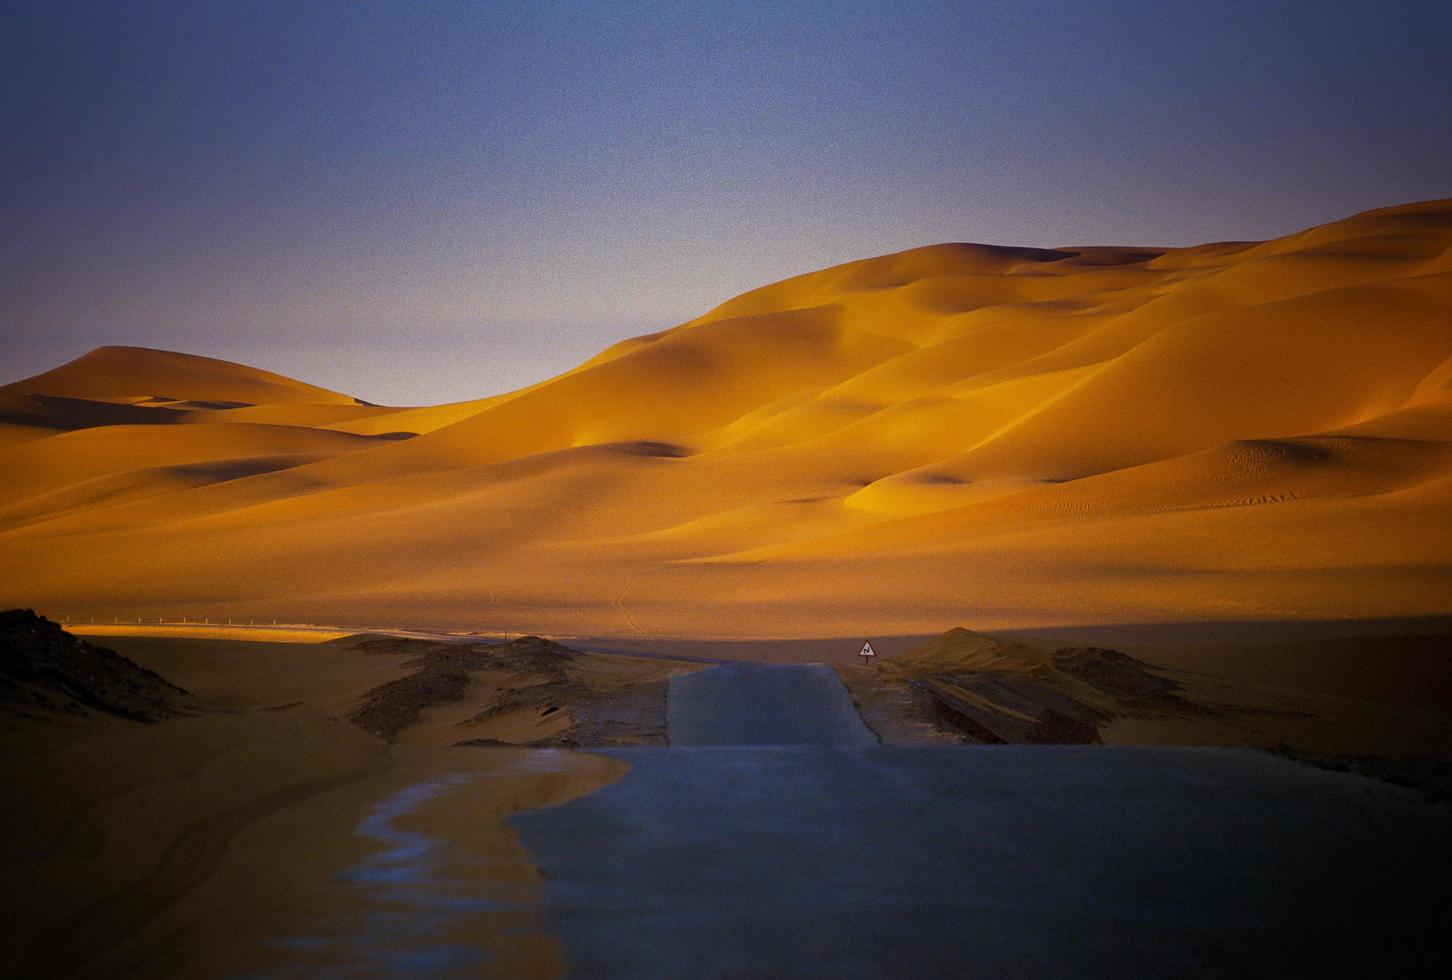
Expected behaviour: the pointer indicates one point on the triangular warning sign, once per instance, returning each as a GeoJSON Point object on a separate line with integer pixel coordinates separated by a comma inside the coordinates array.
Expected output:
{"type": "Point", "coordinates": [867, 650]}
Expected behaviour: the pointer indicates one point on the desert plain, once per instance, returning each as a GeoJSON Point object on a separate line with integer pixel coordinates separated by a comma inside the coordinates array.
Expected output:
{"type": "Point", "coordinates": [1168, 499]}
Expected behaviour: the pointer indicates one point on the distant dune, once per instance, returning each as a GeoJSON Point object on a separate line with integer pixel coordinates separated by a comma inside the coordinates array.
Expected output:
{"type": "Point", "coordinates": [1003, 437]}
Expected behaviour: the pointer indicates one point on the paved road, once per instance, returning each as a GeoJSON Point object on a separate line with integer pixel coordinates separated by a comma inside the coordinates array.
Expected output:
{"type": "Point", "coordinates": [850, 860]}
{"type": "Point", "coordinates": [754, 704]}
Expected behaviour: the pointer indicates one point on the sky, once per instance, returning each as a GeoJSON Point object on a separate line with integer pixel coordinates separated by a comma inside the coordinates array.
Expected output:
{"type": "Point", "coordinates": [423, 202]}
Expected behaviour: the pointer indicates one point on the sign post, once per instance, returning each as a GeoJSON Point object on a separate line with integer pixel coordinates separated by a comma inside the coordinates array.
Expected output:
{"type": "Point", "coordinates": [867, 653]}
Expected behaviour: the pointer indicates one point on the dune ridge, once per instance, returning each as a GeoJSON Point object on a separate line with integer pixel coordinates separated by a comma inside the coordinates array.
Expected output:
{"type": "Point", "coordinates": [1007, 437]}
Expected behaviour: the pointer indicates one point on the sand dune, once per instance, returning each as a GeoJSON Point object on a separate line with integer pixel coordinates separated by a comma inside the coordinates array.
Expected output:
{"type": "Point", "coordinates": [131, 374]}
{"type": "Point", "coordinates": [1005, 437]}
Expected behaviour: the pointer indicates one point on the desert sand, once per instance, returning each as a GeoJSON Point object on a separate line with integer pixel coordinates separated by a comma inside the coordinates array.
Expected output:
{"type": "Point", "coordinates": [1379, 705]}
{"type": "Point", "coordinates": [213, 845]}
{"type": "Point", "coordinates": [340, 806]}
{"type": "Point", "coordinates": [1000, 437]}
{"type": "Point", "coordinates": [345, 806]}
{"type": "Point", "coordinates": [257, 822]}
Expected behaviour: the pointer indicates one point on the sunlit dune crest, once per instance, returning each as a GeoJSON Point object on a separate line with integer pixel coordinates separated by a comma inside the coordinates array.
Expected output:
{"type": "Point", "coordinates": [956, 433]}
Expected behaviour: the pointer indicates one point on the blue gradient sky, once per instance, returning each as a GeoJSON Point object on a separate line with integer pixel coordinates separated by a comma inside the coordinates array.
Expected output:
{"type": "Point", "coordinates": [422, 202]}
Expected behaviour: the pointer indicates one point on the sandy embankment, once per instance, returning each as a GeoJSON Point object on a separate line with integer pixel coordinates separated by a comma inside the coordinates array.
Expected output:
{"type": "Point", "coordinates": [268, 832]}
{"type": "Point", "coordinates": [1380, 705]}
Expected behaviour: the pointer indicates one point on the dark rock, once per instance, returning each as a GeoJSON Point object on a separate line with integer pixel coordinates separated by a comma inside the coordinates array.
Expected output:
{"type": "Point", "coordinates": [46, 671]}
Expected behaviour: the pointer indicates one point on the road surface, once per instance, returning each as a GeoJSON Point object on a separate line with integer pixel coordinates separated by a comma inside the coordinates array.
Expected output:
{"type": "Point", "coordinates": [754, 704]}
{"type": "Point", "coordinates": [822, 855]}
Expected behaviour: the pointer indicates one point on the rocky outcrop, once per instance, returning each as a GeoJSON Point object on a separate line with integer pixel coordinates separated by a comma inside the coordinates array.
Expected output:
{"type": "Point", "coordinates": [45, 672]}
